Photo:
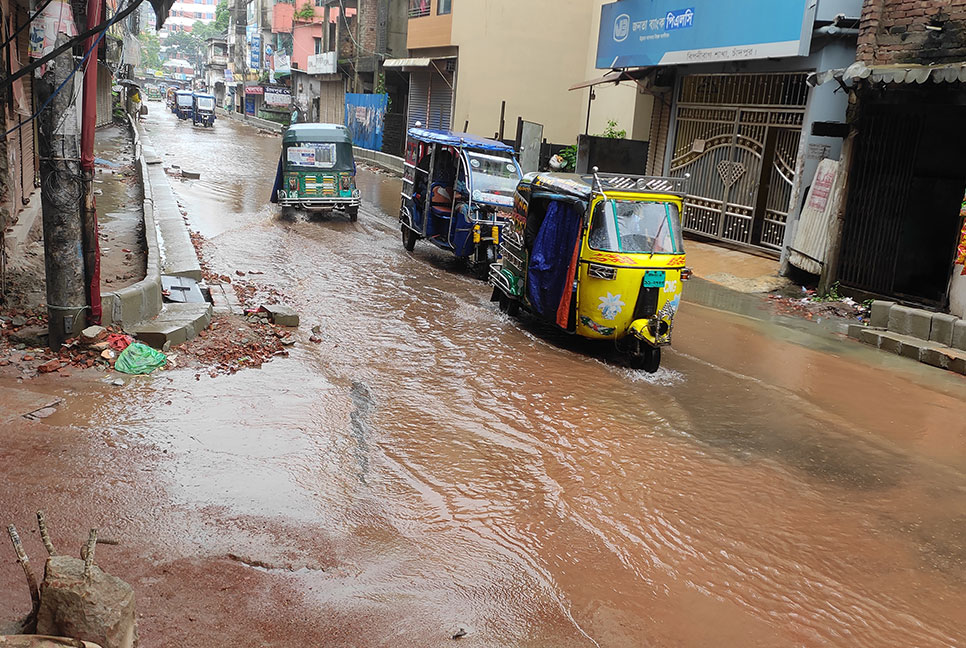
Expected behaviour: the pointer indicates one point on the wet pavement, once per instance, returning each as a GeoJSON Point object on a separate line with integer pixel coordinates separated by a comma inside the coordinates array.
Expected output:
{"type": "Point", "coordinates": [434, 465]}
{"type": "Point", "coordinates": [118, 198]}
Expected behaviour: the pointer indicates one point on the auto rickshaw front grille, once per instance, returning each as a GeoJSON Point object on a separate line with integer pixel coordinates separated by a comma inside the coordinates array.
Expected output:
{"type": "Point", "coordinates": [646, 306]}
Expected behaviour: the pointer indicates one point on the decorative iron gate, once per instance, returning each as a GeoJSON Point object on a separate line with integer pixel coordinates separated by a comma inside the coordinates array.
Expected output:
{"type": "Point", "coordinates": [738, 138]}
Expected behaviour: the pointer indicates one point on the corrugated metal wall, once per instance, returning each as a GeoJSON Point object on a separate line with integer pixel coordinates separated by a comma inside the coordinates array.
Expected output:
{"type": "Point", "coordinates": [105, 111]}
{"type": "Point", "coordinates": [21, 156]}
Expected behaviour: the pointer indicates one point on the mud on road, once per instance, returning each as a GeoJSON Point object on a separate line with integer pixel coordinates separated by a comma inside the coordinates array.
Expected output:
{"type": "Point", "coordinates": [432, 465]}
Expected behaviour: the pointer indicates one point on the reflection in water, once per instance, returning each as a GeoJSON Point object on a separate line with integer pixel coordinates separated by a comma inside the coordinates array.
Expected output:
{"type": "Point", "coordinates": [479, 469]}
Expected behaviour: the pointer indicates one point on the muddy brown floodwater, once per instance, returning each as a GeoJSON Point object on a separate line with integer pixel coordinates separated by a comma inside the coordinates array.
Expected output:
{"type": "Point", "coordinates": [433, 465]}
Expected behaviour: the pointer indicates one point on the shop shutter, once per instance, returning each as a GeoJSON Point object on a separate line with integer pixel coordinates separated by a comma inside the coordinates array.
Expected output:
{"type": "Point", "coordinates": [440, 100]}
{"type": "Point", "coordinates": [418, 97]}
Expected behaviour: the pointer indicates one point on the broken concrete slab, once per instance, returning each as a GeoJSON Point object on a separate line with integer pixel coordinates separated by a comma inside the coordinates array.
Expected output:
{"type": "Point", "coordinates": [281, 315]}
{"type": "Point", "coordinates": [175, 324]}
{"type": "Point", "coordinates": [34, 337]}
{"type": "Point", "coordinates": [93, 334]}
{"type": "Point", "coordinates": [157, 335]}
{"type": "Point", "coordinates": [99, 608]}
{"type": "Point", "coordinates": [22, 402]}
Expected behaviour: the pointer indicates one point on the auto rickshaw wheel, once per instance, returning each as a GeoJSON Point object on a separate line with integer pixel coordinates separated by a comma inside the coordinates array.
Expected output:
{"type": "Point", "coordinates": [509, 306]}
{"type": "Point", "coordinates": [482, 267]}
{"type": "Point", "coordinates": [353, 213]}
{"type": "Point", "coordinates": [647, 358]}
{"type": "Point", "coordinates": [288, 213]}
{"type": "Point", "coordinates": [409, 238]}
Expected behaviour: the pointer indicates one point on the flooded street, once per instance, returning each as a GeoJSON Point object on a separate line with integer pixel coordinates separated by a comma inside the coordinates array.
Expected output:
{"type": "Point", "coordinates": [434, 464]}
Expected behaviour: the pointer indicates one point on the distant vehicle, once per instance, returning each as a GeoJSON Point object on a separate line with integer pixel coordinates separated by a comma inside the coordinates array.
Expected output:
{"type": "Point", "coordinates": [316, 171]}
{"type": "Point", "coordinates": [152, 93]}
{"type": "Point", "coordinates": [203, 109]}
{"type": "Point", "coordinates": [600, 256]}
{"type": "Point", "coordinates": [457, 192]}
{"type": "Point", "coordinates": [183, 104]}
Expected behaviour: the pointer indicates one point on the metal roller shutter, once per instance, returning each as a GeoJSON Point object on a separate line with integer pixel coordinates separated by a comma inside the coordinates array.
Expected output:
{"type": "Point", "coordinates": [418, 98]}
{"type": "Point", "coordinates": [440, 100]}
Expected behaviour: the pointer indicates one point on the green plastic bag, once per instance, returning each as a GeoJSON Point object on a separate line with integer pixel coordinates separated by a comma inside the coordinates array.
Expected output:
{"type": "Point", "coordinates": [139, 358]}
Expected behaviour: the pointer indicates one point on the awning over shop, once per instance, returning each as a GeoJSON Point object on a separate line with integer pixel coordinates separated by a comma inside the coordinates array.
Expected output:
{"type": "Point", "coordinates": [948, 73]}
{"type": "Point", "coordinates": [414, 62]}
{"type": "Point", "coordinates": [614, 76]}
{"type": "Point", "coordinates": [407, 62]}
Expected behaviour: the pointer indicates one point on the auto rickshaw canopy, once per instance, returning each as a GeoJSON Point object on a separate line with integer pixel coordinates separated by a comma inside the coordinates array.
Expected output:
{"type": "Point", "coordinates": [459, 140]}
{"type": "Point", "coordinates": [320, 133]}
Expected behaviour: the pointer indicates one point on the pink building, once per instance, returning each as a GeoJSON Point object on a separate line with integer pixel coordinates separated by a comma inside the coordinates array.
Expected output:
{"type": "Point", "coordinates": [308, 36]}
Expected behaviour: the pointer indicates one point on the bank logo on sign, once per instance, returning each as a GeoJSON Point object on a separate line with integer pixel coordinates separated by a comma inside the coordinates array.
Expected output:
{"type": "Point", "coordinates": [680, 19]}
{"type": "Point", "coordinates": [622, 27]}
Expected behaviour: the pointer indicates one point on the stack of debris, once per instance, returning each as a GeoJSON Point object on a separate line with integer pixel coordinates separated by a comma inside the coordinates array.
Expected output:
{"type": "Point", "coordinates": [96, 347]}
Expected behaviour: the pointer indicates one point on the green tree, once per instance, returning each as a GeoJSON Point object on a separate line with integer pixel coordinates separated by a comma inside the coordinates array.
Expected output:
{"type": "Point", "coordinates": [150, 50]}
{"type": "Point", "coordinates": [186, 45]}
{"type": "Point", "coordinates": [307, 12]}
{"type": "Point", "coordinates": [221, 17]}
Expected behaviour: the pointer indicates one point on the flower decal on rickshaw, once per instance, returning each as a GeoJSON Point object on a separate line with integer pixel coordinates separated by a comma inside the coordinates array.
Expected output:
{"type": "Point", "coordinates": [610, 306]}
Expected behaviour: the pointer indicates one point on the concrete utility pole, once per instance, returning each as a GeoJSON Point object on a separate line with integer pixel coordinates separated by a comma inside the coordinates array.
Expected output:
{"type": "Point", "coordinates": [241, 49]}
{"type": "Point", "coordinates": [61, 194]}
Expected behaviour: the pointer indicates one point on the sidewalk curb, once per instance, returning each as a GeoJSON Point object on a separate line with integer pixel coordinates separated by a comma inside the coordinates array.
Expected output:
{"type": "Point", "coordinates": [142, 300]}
{"type": "Point", "coordinates": [140, 308]}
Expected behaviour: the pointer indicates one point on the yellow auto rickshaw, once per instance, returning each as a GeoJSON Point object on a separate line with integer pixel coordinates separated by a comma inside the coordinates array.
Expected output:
{"type": "Point", "coordinates": [600, 256]}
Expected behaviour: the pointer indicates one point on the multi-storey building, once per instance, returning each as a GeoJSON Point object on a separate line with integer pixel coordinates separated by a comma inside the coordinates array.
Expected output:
{"type": "Point", "coordinates": [185, 13]}
{"type": "Point", "coordinates": [466, 58]}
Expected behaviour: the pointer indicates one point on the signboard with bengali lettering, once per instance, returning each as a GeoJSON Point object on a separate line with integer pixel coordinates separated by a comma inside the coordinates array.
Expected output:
{"type": "Point", "coordinates": [641, 33]}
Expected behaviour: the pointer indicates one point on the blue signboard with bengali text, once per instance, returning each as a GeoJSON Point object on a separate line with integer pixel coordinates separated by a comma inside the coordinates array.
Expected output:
{"type": "Point", "coordinates": [641, 33]}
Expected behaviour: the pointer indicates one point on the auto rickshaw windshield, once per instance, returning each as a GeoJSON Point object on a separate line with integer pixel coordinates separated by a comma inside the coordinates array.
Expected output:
{"type": "Point", "coordinates": [636, 227]}
{"type": "Point", "coordinates": [311, 156]}
{"type": "Point", "coordinates": [494, 178]}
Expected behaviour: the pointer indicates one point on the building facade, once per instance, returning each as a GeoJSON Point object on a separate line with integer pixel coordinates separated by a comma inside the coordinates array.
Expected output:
{"type": "Point", "coordinates": [467, 58]}
{"type": "Point", "coordinates": [185, 13]}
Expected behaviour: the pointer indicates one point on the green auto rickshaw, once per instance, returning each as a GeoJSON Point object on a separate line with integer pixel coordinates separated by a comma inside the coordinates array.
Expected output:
{"type": "Point", "coordinates": [316, 171]}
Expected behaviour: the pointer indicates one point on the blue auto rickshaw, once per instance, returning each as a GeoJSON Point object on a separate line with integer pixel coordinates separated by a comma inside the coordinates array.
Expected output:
{"type": "Point", "coordinates": [203, 109]}
{"type": "Point", "coordinates": [183, 103]}
{"type": "Point", "coordinates": [457, 193]}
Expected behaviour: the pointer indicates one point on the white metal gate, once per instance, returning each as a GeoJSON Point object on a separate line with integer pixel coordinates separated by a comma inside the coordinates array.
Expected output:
{"type": "Point", "coordinates": [738, 138]}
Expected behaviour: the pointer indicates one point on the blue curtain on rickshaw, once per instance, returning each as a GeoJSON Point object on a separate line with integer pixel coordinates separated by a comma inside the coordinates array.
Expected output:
{"type": "Point", "coordinates": [548, 275]}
